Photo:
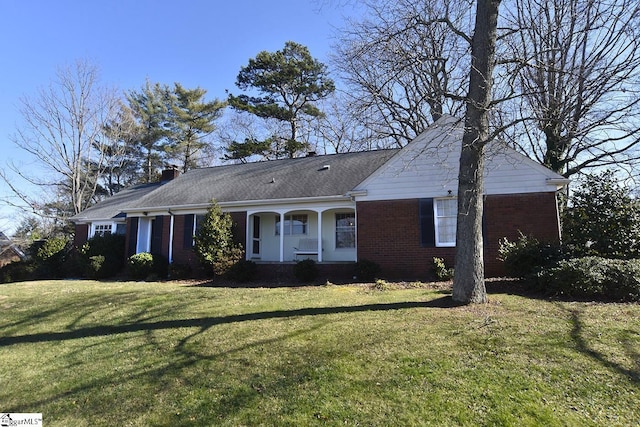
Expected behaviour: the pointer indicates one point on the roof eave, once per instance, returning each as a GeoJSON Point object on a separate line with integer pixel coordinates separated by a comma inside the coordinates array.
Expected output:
{"type": "Point", "coordinates": [241, 203]}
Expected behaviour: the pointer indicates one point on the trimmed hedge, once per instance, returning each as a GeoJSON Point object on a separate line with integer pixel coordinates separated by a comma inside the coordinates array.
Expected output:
{"type": "Point", "coordinates": [305, 270]}
{"type": "Point", "coordinates": [592, 277]}
{"type": "Point", "coordinates": [527, 255]}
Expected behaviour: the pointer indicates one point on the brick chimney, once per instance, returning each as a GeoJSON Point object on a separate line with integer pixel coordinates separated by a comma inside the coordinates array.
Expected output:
{"type": "Point", "coordinates": [170, 174]}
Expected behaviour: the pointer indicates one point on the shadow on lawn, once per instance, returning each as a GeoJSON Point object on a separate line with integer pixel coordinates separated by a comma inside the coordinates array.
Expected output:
{"type": "Point", "coordinates": [582, 344]}
{"type": "Point", "coordinates": [207, 322]}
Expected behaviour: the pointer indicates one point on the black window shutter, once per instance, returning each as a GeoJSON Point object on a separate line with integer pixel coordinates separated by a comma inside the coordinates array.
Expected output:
{"type": "Point", "coordinates": [427, 226]}
{"type": "Point", "coordinates": [156, 237]}
{"type": "Point", "coordinates": [133, 236]}
{"type": "Point", "coordinates": [188, 231]}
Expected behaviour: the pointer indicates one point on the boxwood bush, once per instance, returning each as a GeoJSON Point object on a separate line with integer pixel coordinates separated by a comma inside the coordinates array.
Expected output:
{"type": "Point", "coordinates": [592, 277]}
{"type": "Point", "coordinates": [305, 270]}
{"type": "Point", "coordinates": [367, 270]}
{"type": "Point", "coordinates": [140, 265]}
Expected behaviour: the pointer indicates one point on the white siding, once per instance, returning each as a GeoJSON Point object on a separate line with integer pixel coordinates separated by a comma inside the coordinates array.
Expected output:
{"type": "Point", "coordinates": [428, 167]}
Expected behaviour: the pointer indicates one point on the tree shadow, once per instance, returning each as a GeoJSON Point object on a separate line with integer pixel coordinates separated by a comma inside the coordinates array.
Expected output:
{"type": "Point", "coordinates": [582, 345]}
{"type": "Point", "coordinates": [207, 322]}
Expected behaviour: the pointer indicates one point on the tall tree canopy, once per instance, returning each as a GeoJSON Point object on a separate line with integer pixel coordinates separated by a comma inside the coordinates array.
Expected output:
{"type": "Point", "coordinates": [289, 82]}
{"type": "Point", "coordinates": [150, 108]}
{"type": "Point", "coordinates": [63, 134]}
{"type": "Point", "coordinates": [578, 74]}
{"type": "Point", "coordinates": [171, 126]}
{"type": "Point", "coordinates": [191, 120]}
{"type": "Point", "coordinates": [566, 87]}
{"type": "Point", "coordinates": [405, 64]}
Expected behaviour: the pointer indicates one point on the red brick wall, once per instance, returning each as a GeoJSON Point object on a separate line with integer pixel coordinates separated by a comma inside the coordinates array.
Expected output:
{"type": "Point", "coordinates": [186, 256]}
{"type": "Point", "coordinates": [534, 214]}
{"type": "Point", "coordinates": [389, 233]}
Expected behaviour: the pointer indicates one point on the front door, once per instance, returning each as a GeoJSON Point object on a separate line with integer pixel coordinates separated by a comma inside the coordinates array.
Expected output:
{"type": "Point", "coordinates": [255, 244]}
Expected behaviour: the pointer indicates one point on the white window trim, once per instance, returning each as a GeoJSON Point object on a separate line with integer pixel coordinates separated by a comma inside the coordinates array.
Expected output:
{"type": "Point", "coordinates": [95, 225]}
{"type": "Point", "coordinates": [435, 223]}
{"type": "Point", "coordinates": [335, 236]}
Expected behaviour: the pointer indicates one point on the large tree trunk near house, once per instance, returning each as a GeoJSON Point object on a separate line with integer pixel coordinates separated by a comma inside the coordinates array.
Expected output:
{"type": "Point", "coordinates": [468, 283]}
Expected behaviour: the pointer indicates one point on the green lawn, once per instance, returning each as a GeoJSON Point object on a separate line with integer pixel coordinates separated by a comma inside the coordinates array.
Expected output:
{"type": "Point", "coordinates": [87, 353]}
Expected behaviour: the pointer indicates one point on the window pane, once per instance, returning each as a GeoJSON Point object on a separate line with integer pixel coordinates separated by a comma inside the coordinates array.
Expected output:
{"type": "Point", "coordinates": [345, 230]}
{"type": "Point", "coordinates": [293, 224]}
{"type": "Point", "coordinates": [102, 229]}
{"type": "Point", "coordinates": [446, 216]}
{"type": "Point", "coordinates": [298, 224]}
{"type": "Point", "coordinates": [121, 229]}
{"type": "Point", "coordinates": [446, 230]}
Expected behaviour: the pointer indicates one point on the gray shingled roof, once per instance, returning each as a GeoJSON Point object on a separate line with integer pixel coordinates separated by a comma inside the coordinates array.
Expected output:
{"type": "Point", "coordinates": [275, 179]}
{"type": "Point", "coordinates": [112, 206]}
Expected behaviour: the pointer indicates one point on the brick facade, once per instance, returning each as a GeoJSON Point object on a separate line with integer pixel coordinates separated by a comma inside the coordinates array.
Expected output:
{"type": "Point", "coordinates": [389, 233]}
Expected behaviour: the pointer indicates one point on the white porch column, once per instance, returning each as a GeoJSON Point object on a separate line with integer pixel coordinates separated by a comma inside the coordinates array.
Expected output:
{"type": "Point", "coordinates": [281, 236]}
{"type": "Point", "coordinates": [319, 212]}
{"type": "Point", "coordinates": [247, 238]}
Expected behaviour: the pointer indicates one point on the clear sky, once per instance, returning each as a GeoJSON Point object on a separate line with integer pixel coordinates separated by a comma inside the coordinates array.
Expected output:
{"type": "Point", "coordinates": [194, 42]}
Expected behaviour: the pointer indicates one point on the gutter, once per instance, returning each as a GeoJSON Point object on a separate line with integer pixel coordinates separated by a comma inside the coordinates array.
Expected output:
{"type": "Point", "coordinates": [239, 203]}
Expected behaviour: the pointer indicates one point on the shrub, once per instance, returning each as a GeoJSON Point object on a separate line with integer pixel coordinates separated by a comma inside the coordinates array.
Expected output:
{"type": "Point", "coordinates": [527, 255]}
{"type": "Point", "coordinates": [17, 271]}
{"type": "Point", "coordinates": [382, 285]}
{"type": "Point", "coordinates": [103, 256]}
{"type": "Point", "coordinates": [602, 219]}
{"type": "Point", "coordinates": [50, 257]}
{"type": "Point", "coordinates": [96, 267]}
{"type": "Point", "coordinates": [140, 265]}
{"type": "Point", "coordinates": [624, 280]}
{"type": "Point", "coordinates": [441, 270]}
{"type": "Point", "coordinates": [160, 268]}
{"type": "Point", "coordinates": [179, 271]}
{"type": "Point", "coordinates": [593, 277]}
{"type": "Point", "coordinates": [305, 270]}
{"type": "Point", "coordinates": [367, 270]}
{"type": "Point", "coordinates": [213, 242]}
{"type": "Point", "coordinates": [243, 271]}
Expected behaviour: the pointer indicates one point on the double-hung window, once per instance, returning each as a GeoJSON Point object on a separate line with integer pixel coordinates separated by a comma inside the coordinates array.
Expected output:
{"type": "Point", "coordinates": [102, 229]}
{"type": "Point", "coordinates": [445, 213]}
{"type": "Point", "coordinates": [293, 224]}
{"type": "Point", "coordinates": [345, 230]}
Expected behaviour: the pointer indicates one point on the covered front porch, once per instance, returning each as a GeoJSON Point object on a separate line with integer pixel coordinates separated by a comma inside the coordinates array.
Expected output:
{"type": "Point", "coordinates": [324, 234]}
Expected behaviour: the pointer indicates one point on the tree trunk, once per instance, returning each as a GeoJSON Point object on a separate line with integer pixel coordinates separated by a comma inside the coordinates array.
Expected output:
{"type": "Point", "coordinates": [468, 283]}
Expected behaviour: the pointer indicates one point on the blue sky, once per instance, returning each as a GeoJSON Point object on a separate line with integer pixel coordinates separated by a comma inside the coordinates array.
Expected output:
{"type": "Point", "coordinates": [194, 42]}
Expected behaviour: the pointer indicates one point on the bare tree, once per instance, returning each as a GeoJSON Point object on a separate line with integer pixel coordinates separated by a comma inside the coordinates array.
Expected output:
{"type": "Point", "coordinates": [577, 64]}
{"type": "Point", "coordinates": [405, 64]}
{"type": "Point", "coordinates": [63, 135]}
{"type": "Point", "coordinates": [342, 128]}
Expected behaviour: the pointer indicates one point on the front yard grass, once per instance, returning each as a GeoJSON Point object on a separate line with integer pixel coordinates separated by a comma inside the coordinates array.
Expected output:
{"type": "Point", "coordinates": [87, 353]}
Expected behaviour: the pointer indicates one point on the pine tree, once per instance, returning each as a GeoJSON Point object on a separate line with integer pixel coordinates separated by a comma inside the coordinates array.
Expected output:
{"type": "Point", "coordinates": [191, 120]}
{"type": "Point", "coordinates": [213, 242]}
{"type": "Point", "coordinates": [289, 81]}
